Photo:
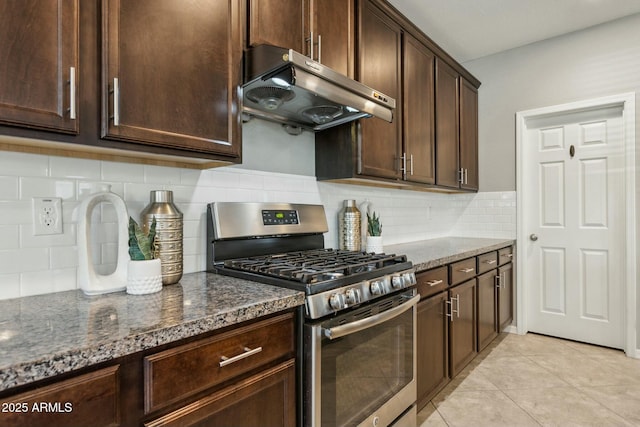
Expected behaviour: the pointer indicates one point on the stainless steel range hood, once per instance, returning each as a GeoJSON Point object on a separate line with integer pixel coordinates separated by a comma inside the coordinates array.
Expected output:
{"type": "Point", "coordinates": [287, 87]}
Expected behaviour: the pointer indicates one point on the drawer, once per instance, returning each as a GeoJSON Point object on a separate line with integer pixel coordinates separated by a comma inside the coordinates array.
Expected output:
{"type": "Point", "coordinates": [462, 270]}
{"type": "Point", "coordinates": [505, 255]}
{"type": "Point", "coordinates": [487, 262]}
{"type": "Point", "coordinates": [73, 402]}
{"type": "Point", "coordinates": [431, 282]}
{"type": "Point", "coordinates": [186, 370]}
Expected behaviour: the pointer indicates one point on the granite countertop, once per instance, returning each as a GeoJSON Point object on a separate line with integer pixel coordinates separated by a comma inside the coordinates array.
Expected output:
{"type": "Point", "coordinates": [45, 335]}
{"type": "Point", "coordinates": [433, 253]}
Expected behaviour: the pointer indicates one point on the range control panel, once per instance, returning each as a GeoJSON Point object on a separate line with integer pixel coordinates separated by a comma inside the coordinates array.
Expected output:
{"type": "Point", "coordinates": [280, 217]}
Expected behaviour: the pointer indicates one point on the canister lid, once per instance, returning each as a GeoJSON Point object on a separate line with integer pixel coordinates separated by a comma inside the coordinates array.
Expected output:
{"type": "Point", "coordinates": [161, 196]}
{"type": "Point", "coordinates": [350, 203]}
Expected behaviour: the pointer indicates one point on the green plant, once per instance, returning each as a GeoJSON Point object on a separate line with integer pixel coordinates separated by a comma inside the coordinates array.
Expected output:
{"type": "Point", "coordinates": [141, 244]}
{"type": "Point", "coordinates": [374, 226]}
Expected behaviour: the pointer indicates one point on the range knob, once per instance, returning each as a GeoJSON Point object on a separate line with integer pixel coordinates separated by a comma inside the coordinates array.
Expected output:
{"type": "Point", "coordinates": [410, 278]}
{"type": "Point", "coordinates": [398, 282]}
{"type": "Point", "coordinates": [352, 296]}
{"type": "Point", "coordinates": [377, 287]}
{"type": "Point", "coordinates": [337, 301]}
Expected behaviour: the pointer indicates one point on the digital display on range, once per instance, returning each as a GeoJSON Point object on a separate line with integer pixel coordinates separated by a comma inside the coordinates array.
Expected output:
{"type": "Point", "coordinates": [285, 217]}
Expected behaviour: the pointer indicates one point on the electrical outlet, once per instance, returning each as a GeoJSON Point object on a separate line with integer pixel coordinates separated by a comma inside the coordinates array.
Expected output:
{"type": "Point", "coordinates": [47, 216]}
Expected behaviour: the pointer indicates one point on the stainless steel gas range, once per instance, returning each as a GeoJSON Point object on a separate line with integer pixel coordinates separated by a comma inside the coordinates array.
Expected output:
{"type": "Point", "coordinates": [358, 325]}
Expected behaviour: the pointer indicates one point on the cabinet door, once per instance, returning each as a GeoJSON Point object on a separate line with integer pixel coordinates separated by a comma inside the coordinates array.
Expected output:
{"type": "Point", "coordinates": [469, 134]}
{"type": "Point", "coordinates": [419, 118]}
{"type": "Point", "coordinates": [505, 297]}
{"type": "Point", "coordinates": [487, 308]}
{"type": "Point", "coordinates": [447, 143]}
{"type": "Point", "coordinates": [379, 41]}
{"type": "Point", "coordinates": [38, 58]}
{"type": "Point", "coordinates": [171, 73]}
{"type": "Point", "coordinates": [88, 399]}
{"type": "Point", "coordinates": [263, 400]}
{"type": "Point", "coordinates": [333, 34]}
{"type": "Point", "coordinates": [462, 327]}
{"type": "Point", "coordinates": [432, 347]}
{"type": "Point", "coordinates": [278, 23]}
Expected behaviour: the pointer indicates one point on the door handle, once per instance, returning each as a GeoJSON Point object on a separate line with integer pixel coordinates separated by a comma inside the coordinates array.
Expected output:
{"type": "Point", "coordinates": [533, 237]}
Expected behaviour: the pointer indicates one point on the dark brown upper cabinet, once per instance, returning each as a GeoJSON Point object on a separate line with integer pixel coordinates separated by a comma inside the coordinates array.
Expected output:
{"type": "Point", "coordinates": [39, 64]}
{"type": "Point", "coordinates": [170, 73]}
{"type": "Point", "coordinates": [419, 107]}
{"type": "Point", "coordinates": [447, 125]}
{"type": "Point", "coordinates": [468, 135]}
{"type": "Point", "coordinates": [379, 67]}
{"type": "Point", "coordinates": [178, 68]}
{"type": "Point", "coordinates": [320, 29]}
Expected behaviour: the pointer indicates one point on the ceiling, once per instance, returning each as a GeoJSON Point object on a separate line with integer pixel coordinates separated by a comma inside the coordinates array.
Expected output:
{"type": "Point", "coordinates": [470, 29]}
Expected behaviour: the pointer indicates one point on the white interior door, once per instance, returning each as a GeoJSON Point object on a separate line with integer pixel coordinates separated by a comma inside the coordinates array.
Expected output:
{"type": "Point", "coordinates": [574, 183]}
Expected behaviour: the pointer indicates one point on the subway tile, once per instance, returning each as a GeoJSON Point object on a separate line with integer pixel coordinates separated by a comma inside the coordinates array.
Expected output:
{"type": "Point", "coordinates": [29, 240]}
{"type": "Point", "coordinates": [15, 212]}
{"type": "Point", "coordinates": [122, 172]}
{"type": "Point", "coordinates": [22, 164]}
{"type": "Point", "coordinates": [162, 175]}
{"type": "Point", "coordinates": [64, 279]}
{"type": "Point", "coordinates": [9, 285]}
{"type": "Point", "coordinates": [9, 188]}
{"type": "Point", "coordinates": [63, 258]}
{"type": "Point", "coordinates": [10, 237]}
{"type": "Point", "coordinates": [47, 187]}
{"type": "Point", "coordinates": [21, 260]}
{"type": "Point", "coordinates": [67, 167]}
{"type": "Point", "coordinates": [36, 283]}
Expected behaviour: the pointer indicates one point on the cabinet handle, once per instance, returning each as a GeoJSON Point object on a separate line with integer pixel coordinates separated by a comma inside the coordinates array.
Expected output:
{"type": "Point", "coordinates": [311, 44]}
{"type": "Point", "coordinates": [461, 176]}
{"type": "Point", "coordinates": [450, 313]}
{"type": "Point", "coordinates": [457, 310]}
{"type": "Point", "coordinates": [224, 361]}
{"type": "Point", "coordinates": [411, 163]}
{"type": "Point", "coordinates": [434, 282]}
{"type": "Point", "coordinates": [116, 102]}
{"type": "Point", "coordinates": [403, 168]}
{"type": "Point", "coordinates": [498, 281]}
{"type": "Point", "coordinates": [508, 255]}
{"type": "Point", "coordinates": [466, 270]}
{"type": "Point", "coordinates": [72, 93]}
{"type": "Point", "coordinates": [319, 48]}
{"type": "Point", "coordinates": [490, 261]}
{"type": "Point", "coordinates": [466, 176]}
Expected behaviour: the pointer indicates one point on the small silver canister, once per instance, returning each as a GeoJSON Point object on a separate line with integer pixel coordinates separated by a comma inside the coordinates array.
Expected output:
{"type": "Point", "coordinates": [349, 227]}
{"type": "Point", "coordinates": [169, 232]}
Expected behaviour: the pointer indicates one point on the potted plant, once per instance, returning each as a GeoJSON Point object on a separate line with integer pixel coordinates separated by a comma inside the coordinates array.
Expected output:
{"type": "Point", "coordinates": [144, 275]}
{"type": "Point", "coordinates": [374, 233]}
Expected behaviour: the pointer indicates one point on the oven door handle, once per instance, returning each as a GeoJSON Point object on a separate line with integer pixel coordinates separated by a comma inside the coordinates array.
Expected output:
{"type": "Point", "coordinates": [359, 325]}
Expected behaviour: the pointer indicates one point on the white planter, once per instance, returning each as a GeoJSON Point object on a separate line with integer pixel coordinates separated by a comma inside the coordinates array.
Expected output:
{"type": "Point", "coordinates": [144, 277]}
{"type": "Point", "coordinates": [374, 244]}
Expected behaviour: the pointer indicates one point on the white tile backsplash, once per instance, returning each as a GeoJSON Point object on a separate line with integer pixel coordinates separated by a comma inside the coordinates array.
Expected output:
{"type": "Point", "coordinates": [41, 264]}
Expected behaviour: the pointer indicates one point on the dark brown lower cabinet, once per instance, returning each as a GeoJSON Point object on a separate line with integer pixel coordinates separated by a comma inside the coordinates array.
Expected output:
{"type": "Point", "coordinates": [505, 296]}
{"type": "Point", "coordinates": [92, 397]}
{"type": "Point", "coordinates": [432, 347]}
{"type": "Point", "coordinates": [263, 400]}
{"type": "Point", "coordinates": [463, 326]}
{"type": "Point", "coordinates": [487, 308]}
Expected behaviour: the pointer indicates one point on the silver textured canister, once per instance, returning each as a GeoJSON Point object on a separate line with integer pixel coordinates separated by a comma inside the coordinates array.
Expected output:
{"type": "Point", "coordinates": [169, 231]}
{"type": "Point", "coordinates": [349, 226]}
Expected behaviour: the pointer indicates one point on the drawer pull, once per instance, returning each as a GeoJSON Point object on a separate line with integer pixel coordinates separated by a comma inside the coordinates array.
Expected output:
{"type": "Point", "coordinates": [224, 361]}
{"type": "Point", "coordinates": [490, 261]}
{"type": "Point", "coordinates": [434, 282]}
{"type": "Point", "coordinates": [466, 270]}
{"type": "Point", "coordinates": [508, 255]}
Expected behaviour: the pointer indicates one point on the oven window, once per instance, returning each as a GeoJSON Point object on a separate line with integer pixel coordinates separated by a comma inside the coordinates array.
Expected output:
{"type": "Point", "coordinates": [361, 371]}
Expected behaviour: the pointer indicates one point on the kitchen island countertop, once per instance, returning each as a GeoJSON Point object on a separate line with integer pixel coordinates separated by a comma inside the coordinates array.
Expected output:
{"type": "Point", "coordinates": [46, 335]}
{"type": "Point", "coordinates": [433, 253]}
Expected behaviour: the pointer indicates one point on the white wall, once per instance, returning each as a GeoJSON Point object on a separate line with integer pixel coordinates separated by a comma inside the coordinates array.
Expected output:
{"type": "Point", "coordinates": [599, 61]}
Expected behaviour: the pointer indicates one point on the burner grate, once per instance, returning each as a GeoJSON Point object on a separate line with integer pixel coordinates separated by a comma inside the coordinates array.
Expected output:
{"type": "Point", "coordinates": [315, 266]}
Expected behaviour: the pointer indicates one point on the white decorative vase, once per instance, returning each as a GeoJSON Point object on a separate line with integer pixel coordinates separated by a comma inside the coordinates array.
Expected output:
{"type": "Point", "coordinates": [374, 244]}
{"type": "Point", "coordinates": [144, 277]}
{"type": "Point", "coordinates": [89, 280]}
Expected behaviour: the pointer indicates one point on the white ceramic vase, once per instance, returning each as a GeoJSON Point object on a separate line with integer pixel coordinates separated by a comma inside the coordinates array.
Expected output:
{"type": "Point", "coordinates": [144, 277]}
{"type": "Point", "coordinates": [374, 244]}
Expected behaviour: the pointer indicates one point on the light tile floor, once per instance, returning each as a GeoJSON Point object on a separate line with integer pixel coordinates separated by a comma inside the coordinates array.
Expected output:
{"type": "Point", "coordinates": [535, 380]}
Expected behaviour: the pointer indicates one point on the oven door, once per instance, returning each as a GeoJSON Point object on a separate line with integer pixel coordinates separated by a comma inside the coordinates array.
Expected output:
{"type": "Point", "coordinates": [360, 366]}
